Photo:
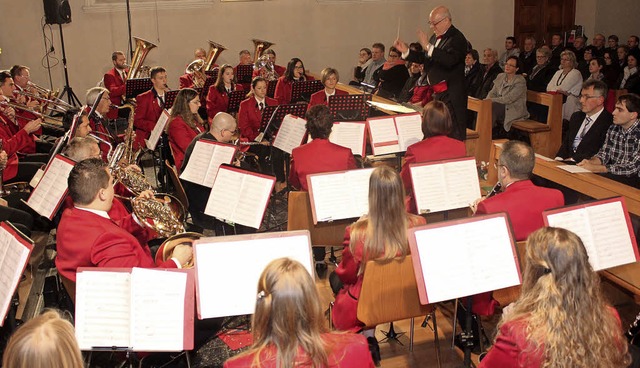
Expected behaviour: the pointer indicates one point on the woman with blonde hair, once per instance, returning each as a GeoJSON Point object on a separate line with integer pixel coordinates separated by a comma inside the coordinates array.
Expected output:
{"type": "Point", "coordinates": [561, 318]}
{"type": "Point", "coordinates": [289, 327]}
{"type": "Point", "coordinates": [46, 341]}
{"type": "Point", "coordinates": [381, 234]}
{"type": "Point", "coordinates": [185, 123]}
{"type": "Point", "coordinates": [568, 82]}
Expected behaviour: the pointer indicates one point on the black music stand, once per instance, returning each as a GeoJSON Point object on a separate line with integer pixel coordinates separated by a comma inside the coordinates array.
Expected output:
{"type": "Point", "coordinates": [205, 88]}
{"type": "Point", "coordinates": [244, 73]}
{"type": "Point", "coordinates": [350, 107]}
{"type": "Point", "coordinates": [169, 98]}
{"type": "Point", "coordinates": [272, 117]}
{"type": "Point", "coordinates": [134, 87]}
{"type": "Point", "coordinates": [212, 73]}
{"type": "Point", "coordinates": [302, 91]}
{"type": "Point", "coordinates": [235, 98]}
{"type": "Point", "coordinates": [271, 88]}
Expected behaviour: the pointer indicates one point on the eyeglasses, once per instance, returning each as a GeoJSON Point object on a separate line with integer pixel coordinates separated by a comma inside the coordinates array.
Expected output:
{"type": "Point", "coordinates": [298, 67]}
{"type": "Point", "coordinates": [511, 65]}
{"type": "Point", "coordinates": [233, 132]}
{"type": "Point", "coordinates": [433, 24]}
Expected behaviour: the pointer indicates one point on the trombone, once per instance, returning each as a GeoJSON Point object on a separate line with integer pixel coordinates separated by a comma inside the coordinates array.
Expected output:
{"type": "Point", "coordinates": [58, 122]}
{"type": "Point", "coordinates": [57, 104]}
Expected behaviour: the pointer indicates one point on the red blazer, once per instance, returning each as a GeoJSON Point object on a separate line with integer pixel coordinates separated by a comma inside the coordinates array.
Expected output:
{"type": "Point", "coordinates": [117, 212]}
{"type": "Point", "coordinates": [148, 112]}
{"type": "Point", "coordinates": [114, 83]}
{"type": "Point", "coordinates": [284, 89]}
{"type": "Point", "coordinates": [320, 97]}
{"type": "Point", "coordinates": [435, 148]}
{"type": "Point", "coordinates": [249, 116]}
{"type": "Point", "coordinates": [99, 126]}
{"type": "Point", "coordinates": [344, 350]}
{"type": "Point", "coordinates": [14, 140]}
{"type": "Point", "coordinates": [186, 81]}
{"type": "Point", "coordinates": [218, 102]}
{"type": "Point", "coordinates": [318, 156]}
{"type": "Point", "coordinates": [180, 136]}
{"type": "Point", "coordinates": [86, 239]}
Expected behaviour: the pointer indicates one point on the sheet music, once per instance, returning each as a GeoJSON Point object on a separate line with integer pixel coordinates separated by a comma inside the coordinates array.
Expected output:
{"type": "Point", "coordinates": [409, 130]}
{"type": "Point", "coordinates": [204, 162]}
{"type": "Point", "coordinates": [603, 231]}
{"type": "Point", "coordinates": [224, 288]}
{"type": "Point", "coordinates": [396, 108]}
{"type": "Point", "coordinates": [152, 142]}
{"type": "Point", "coordinates": [384, 137]}
{"type": "Point", "coordinates": [466, 259]}
{"type": "Point", "coordinates": [239, 197]}
{"type": "Point", "coordinates": [46, 197]}
{"type": "Point", "coordinates": [13, 258]}
{"type": "Point", "coordinates": [103, 309]}
{"type": "Point", "coordinates": [291, 133]}
{"type": "Point", "coordinates": [446, 186]}
{"type": "Point", "coordinates": [574, 169]}
{"type": "Point", "coordinates": [340, 195]}
{"type": "Point", "coordinates": [544, 158]}
{"type": "Point", "coordinates": [349, 135]}
{"type": "Point", "coordinates": [157, 310]}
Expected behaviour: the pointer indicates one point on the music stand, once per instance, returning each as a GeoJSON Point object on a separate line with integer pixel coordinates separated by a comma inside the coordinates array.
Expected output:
{"type": "Point", "coordinates": [235, 98]}
{"type": "Point", "coordinates": [205, 88]}
{"type": "Point", "coordinates": [212, 73]}
{"type": "Point", "coordinates": [169, 98]}
{"type": "Point", "coordinates": [272, 117]}
{"type": "Point", "coordinates": [302, 91]}
{"type": "Point", "coordinates": [134, 87]}
{"type": "Point", "coordinates": [349, 107]}
{"type": "Point", "coordinates": [244, 73]}
{"type": "Point", "coordinates": [271, 88]}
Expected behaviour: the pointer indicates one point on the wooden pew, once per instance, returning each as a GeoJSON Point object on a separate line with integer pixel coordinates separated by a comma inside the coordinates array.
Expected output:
{"type": "Point", "coordinates": [545, 138]}
{"type": "Point", "coordinates": [478, 141]}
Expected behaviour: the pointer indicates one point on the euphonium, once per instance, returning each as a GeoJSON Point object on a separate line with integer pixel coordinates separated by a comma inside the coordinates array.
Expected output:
{"type": "Point", "coordinates": [260, 46]}
{"type": "Point", "coordinates": [195, 68]}
{"type": "Point", "coordinates": [142, 49]}
{"type": "Point", "coordinates": [215, 49]}
{"type": "Point", "coordinates": [164, 214]}
{"type": "Point", "coordinates": [265, 68]}
{"type": "Point", "coordinates": [165, 252]}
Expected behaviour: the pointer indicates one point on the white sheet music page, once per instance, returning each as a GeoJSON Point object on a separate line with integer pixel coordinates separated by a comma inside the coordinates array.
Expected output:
{"type": "Point", "coordinates": [291, 133]}
{"type": "Point", "coordinates": [253, 201]}
{"type": "Point", "coordinates": [228, 271]}
{"type": "Point", "coordinates": [224, 195]}
{"type": "Point", "coordinates": [222, 154]}
{"type": "Point", "coordinates": [199, 162]}
{"type": "Point", "coordinates": [349, 135]}
{"type": "Point", "coordinates": [46, 197]}
{"type": "Point", "coordinates": [152, 142]}
{"type": "Point", "coordinates": [445, 186]}
{"type": "Point", "coordinates": [157, 309]}
{"type": "Point", "coordinates": [384, 136]}
{"type": "Point", "coordinates": [409, 129]}
{"type": "Point", "coordinates": [13, 257]}
{"type": "Point", "coordinates": [466, 259]}
{"type": "Point", "coordinates": [340, 195]}
{"type": "Point", "coordinates": [103, 309]}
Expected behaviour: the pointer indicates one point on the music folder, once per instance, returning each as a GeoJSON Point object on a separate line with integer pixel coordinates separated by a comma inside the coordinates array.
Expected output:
{"type": "Point", "coordinates": [158, 129]}
{"type": "Point", "coordinates": [239, 196]}
{"type": "Point", "coordinates": [15, 250]}
{"type": "Point", "coordinates": [458, 258]}
{"type": "Point", "coordinates": [392, 134]}
{"type": "Point", "coordinates": [445, 185]}
{"type": "Point", "coordinates": [350, 135]}
{"type": "Point", "coordinates": [205, 159]}
{"type": "Point", "coordinates": [135, 309]}
{"type": "Point", "coordinates": [134, 87]}
{"type": "Point", "coordinates": [48, 195]}
{"type": "Point", "coordinates": [604, 227]}
{"type": "Point", "coordinates": [272, 117]}
{"type": "Point", "coordinates": [228, 268]}
{"type": "Point", "coordinates": [339, 195]}
{"type": "Point", "coordinates": [291, 133]}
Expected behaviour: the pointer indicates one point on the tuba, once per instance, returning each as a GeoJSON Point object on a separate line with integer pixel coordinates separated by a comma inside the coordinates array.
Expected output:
{"type": "Point", "coordinates": [260, 46]}
{"type": "Point", "coordinates": [195, 68]}
{"type": "Point", "coordinates": [215, 49]}
{"type": "Point", "coordinates": [136, 69]}
{"type": "Point", "coordinates": [165, 252]}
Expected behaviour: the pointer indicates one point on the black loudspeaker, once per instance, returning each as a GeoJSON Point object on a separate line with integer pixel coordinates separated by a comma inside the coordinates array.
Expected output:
{"type": "Point", "coordinates": [57, 11]}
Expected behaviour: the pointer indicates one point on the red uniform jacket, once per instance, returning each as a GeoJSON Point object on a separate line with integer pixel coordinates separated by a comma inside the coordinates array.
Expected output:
{"type": "Point", "coordinates": [14, 140]}
{"type": "Point", "coordinates": [249, 116]}
{"type": "Point", "coordinates": [114, 83]}
{"type": "Point", "coordinates": [180, 135]}
{"type": "Point", "coordinates": [320, 97]}
{"type": "Point", "coordinates": [284, 87]}
{"type": "Point", "coordinates": [218, 102]}
{"type": "Point", "coordinates": [318, 156]}
{"type": "Point", "coordinates": [98, 125]}
{"type": "Point", "coordinates": [24, 118]}
{"type": "Point", "coordinates": [86, 239]}
{"type": "Point", "coordinates": [344, 350]}
{"type": "Point", "coordinates": [148, 112]}
{"type": "Point", "coordinates": [186, 81]}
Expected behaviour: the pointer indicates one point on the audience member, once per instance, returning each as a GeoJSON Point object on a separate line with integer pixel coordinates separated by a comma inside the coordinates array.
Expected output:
{"type": "Point", "coordinates": [612, 43]}
{"type": "Point", "coordinates": [377, 60]}
{"type": "Point", "coordinates": [508, 99]}
{"type": "Point", "coordinates": [364, 59]}
{"type": "Point", "coordinates": [630, 78]}
{"type": "Point", "coordinates": [556, 49]}
{"type": "Point", "coordinates": [632, 42]}
{"type": "Point", "coordinates": [511, 49]}
{"type": "Point", "coordinates": [598, 44]}
{"type": "Point", "coordinates": [415, 72]}
{"type": "Point", "coordinates": [595, 69]}
{"type": "Point", "coordinates": [528, 56]}
{"type": "Point", "coordinates": [392, 75]}
{"type": "Point", "coordinates": [611, 69]}
{"type": "Point", "coordinates": [583, 64]}
{"type": "Point", "coordinates": [578, 47]}
{"type": "Point", "coordinates": [542, 72]}
{"type": "Point", "coordinates": [622, 52]}
{"type": "Point", "coordinates": [568, 82]}
{"type": "Point", "coordinates": [491, 71]}
{"type": "Point", "coordinates": [473, 72]}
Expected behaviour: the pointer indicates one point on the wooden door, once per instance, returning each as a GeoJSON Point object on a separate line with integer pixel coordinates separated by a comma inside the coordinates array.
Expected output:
{"type": "Point", "coordinates": [542, 18]}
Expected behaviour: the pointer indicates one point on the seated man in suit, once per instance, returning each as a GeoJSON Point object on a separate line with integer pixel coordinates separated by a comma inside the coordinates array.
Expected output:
{"type": "Point", "coordinates": [619, 157]}
{"type": "Point", "coordinates": [588, 127]}
{"type": "Point", "coordinates": [88, 237]}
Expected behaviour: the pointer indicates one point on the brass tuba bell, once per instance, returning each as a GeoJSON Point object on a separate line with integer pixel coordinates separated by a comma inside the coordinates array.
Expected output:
{"type": "Point", "coordinates": [215, 49]}
{"type": "Point", "coordinates": [260, 46]}
{"type": "Point", "coordinates": [142, 49]}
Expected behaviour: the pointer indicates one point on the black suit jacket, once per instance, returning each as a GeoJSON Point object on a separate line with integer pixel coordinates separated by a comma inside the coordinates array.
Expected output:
{"type": "Point", "coordinates": [527, 63]}
{"type": "Point", "coordinates": [487, 81]}
{"type": "Point", "coordinates": [591, 142]}
{"type": "Point", "coordinates": [541, 79]}
{"type": "Point", "coordinates": [447, 64]}
{"type": "Point", "coordinates": [474, 78]}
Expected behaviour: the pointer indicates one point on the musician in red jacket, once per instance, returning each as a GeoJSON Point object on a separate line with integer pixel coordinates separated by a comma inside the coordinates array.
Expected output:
{"type": "Point", "coordinates": [87, 237]}
{"type": "Point", "coordinates": [218, 94]}
{"type": "Point", "coordinates": [250, 113]}
{"type": "Point", "coordinates": [295, 72]}
{"type": "Point", "coordinates": [185, 123]}
{"type": "Point", "coordinates": [150, 105]}
{"type": "Point", "coordinates": [114, 81]}
{"type": "Point", "coordinates": [319, 155]}
{"type": "Point", "coordinates": [330, 78]}
{"type": "Point", "coordinates": [278, 69]}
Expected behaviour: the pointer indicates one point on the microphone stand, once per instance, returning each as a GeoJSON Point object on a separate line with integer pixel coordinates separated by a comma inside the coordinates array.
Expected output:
{"type": "Point", "coordinates": [71, 97]}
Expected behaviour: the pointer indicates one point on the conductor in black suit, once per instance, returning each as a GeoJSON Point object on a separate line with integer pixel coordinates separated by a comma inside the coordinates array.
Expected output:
{"type": "Point", "coordinates": [588, 127]}
{"type": "Point", "coordinates": [443, 59]}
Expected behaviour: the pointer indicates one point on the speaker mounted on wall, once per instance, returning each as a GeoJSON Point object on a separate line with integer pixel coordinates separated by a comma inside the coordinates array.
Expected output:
{"type": "Point", "coordinates": [57, 11]}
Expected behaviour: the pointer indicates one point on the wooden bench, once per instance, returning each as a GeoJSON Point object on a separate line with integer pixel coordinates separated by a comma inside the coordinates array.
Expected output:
{"type": "Point", "coordinates": [478, 141]}
{"type": "Point", "coordinates": [545, 138]}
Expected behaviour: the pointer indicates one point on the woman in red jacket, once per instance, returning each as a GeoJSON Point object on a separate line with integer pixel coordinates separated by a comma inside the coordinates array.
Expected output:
{"type": "Point", "coordinates": [185, 123]}
{"type": "Point", "coordinates": [218, 94]}
{"type": "Point", "coordinates": [330, 78]}
{"type": "Point", "coordinates": [295, 72]}
{"type": "Point", "coordinates": [561, 318]}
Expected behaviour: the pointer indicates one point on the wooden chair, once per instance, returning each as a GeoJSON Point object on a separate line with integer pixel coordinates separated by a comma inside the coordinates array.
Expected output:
{"type": "Point", "coordinates": [390, 293]}
{"type": "Point", "coordinates": [545, 138]}
{"type": "Point", "coordinates": [175, 179]}
{"type": "Point", "coordinates": [70, 287]}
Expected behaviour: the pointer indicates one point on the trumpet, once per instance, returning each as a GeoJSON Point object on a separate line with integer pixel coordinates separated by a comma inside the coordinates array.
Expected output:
{"type": "Point", "coordinates": [51, 122]}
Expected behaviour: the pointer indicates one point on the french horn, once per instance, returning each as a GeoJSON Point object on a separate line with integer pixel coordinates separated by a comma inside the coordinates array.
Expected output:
{"type": "Point", "coordinates": [164, 214]}
{"type": "Point", "coordinates": [165, 252]}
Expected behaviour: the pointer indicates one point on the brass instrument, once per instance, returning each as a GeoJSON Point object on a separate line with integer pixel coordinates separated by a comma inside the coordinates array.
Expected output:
{"type": "Point", "coordinates": [165, 252]}
{"type": "Point", "coordinates": [136, 69]}
{"type": "Point", "coordinates": [195, 68]}
{"type": "Point", "coordinates": [47, 121]}
{"type": "Point", "coordinates": [45, 92]}
{"type": "Point", "coordinates": [266, 68]}
{"type": "Point", "coordinates": [107, 140]}
{"type": "Point", "coordinates": [215, 49]}
{"type": "Point", "coordinates": [164, 214]}
{"type": "Point", "coordinates": [57, 105]}
{"type": "Point", "coordinates": [260, 46]}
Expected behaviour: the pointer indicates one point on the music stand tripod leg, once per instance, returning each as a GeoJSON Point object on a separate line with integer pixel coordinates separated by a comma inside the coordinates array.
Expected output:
{"type": "Point", "coordinates": [392, 335]}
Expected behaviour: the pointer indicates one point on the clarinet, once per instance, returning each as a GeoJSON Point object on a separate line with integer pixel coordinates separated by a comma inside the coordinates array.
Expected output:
{"type": "Point", "coordinates": [634, 329]}
{"type": "Point", "coordinates": [495, 190]}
